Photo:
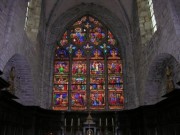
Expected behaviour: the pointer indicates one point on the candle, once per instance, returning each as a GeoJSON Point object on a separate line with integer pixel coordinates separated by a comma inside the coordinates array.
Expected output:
{"type": "Point", "coordinates": [72, 122]}
{"type": "Point", "coordinates": [106, 122]}
{"type": "Point", "coordinates": [100, 122]}
{"type": "Point", "coordinates": [112, 122]}
{"type": "Point", "coordinates": [78, 122]}
{"type": "Point", "coordinates": [65, 122]}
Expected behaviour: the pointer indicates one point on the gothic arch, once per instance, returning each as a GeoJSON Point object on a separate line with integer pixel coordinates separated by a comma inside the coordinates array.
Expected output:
{"type": "Point", "coordinates": [114, 24]}
{"type": "Point", "coordinates": [156, 77]}
{"type": "Point", "coordinates": [90, 49]}
{"type": "Point", "coordinates": [23, 79]}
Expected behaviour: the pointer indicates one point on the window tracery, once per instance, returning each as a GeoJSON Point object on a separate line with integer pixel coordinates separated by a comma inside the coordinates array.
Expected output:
{"type": "Point", "coordinates": [87, 68]}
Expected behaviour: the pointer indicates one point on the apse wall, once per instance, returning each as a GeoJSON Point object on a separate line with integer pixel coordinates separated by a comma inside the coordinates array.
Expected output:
{"type": "Point", "coordinates": [164, 41]}
{"type": "Point", "coordinates": [13, 40]}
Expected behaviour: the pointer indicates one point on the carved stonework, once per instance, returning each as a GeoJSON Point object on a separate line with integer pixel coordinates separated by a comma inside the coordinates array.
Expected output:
{"type": "Point", "coordinates": [169, 81]}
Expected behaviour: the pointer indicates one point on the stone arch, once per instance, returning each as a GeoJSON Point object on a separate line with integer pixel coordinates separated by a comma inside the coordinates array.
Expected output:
{"type": "Point", "coordinates": [23, 79]}
{"type": "Point", "coordinates": [114, 24]}
{"type": "Point", "coordinates": [156, 77]}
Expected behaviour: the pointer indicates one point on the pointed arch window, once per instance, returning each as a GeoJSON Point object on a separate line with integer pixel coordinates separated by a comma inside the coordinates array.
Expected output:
{"type": "Point", "coordinates": [32, 19]}
{"type": "Point", "coordinates": [147, 20]}
{"type": "Point", "coordinates": [153, 19]}
{"type": "Point", "coordinates": [87, 68]}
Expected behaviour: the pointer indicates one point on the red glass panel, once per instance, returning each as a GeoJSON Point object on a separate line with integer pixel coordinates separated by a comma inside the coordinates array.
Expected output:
{"type": "Point", "coordinates": [78, 100]}
{"type": "Point", "coordinates": [64, 40]}
{"type": "Point", "coordinates": [111, 39]}
{"type": "Point", "coordinates": [116, 99]}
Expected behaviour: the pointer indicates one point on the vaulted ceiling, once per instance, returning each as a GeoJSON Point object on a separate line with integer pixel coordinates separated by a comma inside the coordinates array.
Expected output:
{"type": "Point", "coordinates": [54, 8]}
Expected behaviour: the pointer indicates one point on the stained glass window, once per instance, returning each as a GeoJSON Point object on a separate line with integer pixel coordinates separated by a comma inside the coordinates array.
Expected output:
{"type": "Point", "coordinates": [153, 19]}
{"type": "Point", "coordinates": [87, 68]}
{"type": "Point", "coordinates": [27, 14]}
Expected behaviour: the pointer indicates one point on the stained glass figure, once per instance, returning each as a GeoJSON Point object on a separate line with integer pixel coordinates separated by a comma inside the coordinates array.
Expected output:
{"type": "Point", "coordinates": [78, 67]}
{"type": "Point", "coordinates": [61, 67]}
{"type": "Point", "coordinates": [97, 67]}
{"type": "Point", "coordinates": [78, 82]}
{"type": "Point", "coordinates": [116, 100]}
{"type": "Point", "coordinates": [79, 78]}
{"type": "Point", "coordinates": [87, 66]}
{"type": "Point", "coordinates": [115, 80]}
{"type": "Point", "coordinates": [60, 100]}
{"type": "Point", "coordinates": [60, 83]}
{"type": "Point", "coordinates": [114, 66]}
{"type": "Point", "coordinates": [97, 83]}
{"type": "Point", "coordinates": [97, 100]}
{"type": "Point", "coordinates": [78, 100]}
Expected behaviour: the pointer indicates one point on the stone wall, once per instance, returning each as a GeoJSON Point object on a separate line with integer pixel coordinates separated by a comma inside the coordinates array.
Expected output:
{"type": "Point", "coordinates": [162, 47]}
{"type": "Point", "coordinates": [14, 41]}
{"type": "Point", "coordinates": [23, 86]}
{"type": "Point", "coordinates": [175, 12]}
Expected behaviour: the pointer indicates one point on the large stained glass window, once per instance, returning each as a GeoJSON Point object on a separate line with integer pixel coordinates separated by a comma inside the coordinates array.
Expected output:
{"type": "Point", "coordinates": [87, 68]}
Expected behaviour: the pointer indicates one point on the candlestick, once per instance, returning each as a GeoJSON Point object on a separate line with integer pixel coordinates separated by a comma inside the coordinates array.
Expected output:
{"type": "Point", "coordinates": [106, 122]}
{"type": "Point", "coordinates": [78, 122]}
{"type": "Point", "coordinates": [100, 122]}
{"type": "Point", "coordinates": [72, 122]}
{"type": "Point", "coordinates": [65, 122]}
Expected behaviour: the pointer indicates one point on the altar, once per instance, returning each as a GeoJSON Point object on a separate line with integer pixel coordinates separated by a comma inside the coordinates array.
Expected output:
{"type": "Point", "coordinates": [89, 126]}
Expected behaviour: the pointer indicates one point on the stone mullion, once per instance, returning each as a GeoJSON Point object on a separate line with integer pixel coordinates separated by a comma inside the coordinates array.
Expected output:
{"type": "Point", "coordinates": [70, 71]}
{"type": "Point", "coordinates": [88, 100]}
{"type": "Point", "coordinates": [106, 81]}
{"type": "Point", "coordinates": [69, 85]}
{"type": "Point", "coordinates": [106, 71]}
{"type": "Point", "coordinates": [88, 81]}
